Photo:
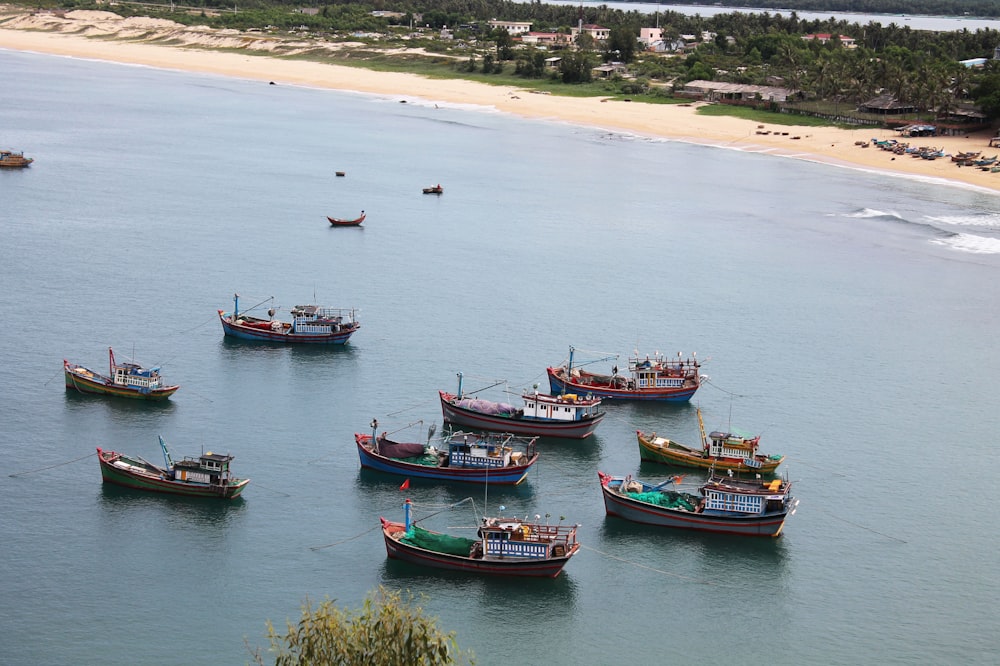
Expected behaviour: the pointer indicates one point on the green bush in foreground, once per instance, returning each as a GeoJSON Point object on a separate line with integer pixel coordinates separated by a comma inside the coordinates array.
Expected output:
{"type": "Point", "coordinates": [387, 630]}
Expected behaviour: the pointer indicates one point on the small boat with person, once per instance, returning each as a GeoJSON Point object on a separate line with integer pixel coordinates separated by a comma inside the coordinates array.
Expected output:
{"type": "Point", "coordinates": [310, 324]}
{"type": "Point", "coordinates": [341, 222]}
{"type": "Point", "coordinates": [655, 378]}
{"type": "Point", "coordinates": [11, 160]}
{"type": "Point", "coordinates": [567, 415]}
{"type": "Point", "coordinates": [720, 450]}
{"type": "Point", "coordinates": [208, 475]}
{"type": "Point", "coordinates": [124, 380]}
{"type": "Point", "coordinates": [502, 547]}
{"type": "Point", "coordinates": [494, 458]}
{"type": "Point", "coordinates": [437, 189]}
{"type": "Point", "coordinates": [727, 505]}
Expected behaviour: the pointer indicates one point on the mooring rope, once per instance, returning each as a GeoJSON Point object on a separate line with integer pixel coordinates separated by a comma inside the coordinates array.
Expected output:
{"type": "Point", "coordinates": [654, 569]}
{"type": "Point", "coordinates": [40, 469]}
{"type": "Point", "coordinates": [858, 525]}
{"type": "Point", "coordinates": [337, 543]}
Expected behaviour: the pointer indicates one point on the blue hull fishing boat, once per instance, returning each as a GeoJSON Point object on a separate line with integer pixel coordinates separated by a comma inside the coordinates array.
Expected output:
{"type": "Point", "coordinates": [311, 324]}
{"type": "Point", "coordinates": [494, 458]}
{"type": "Point", "coordinates": [728, 505]}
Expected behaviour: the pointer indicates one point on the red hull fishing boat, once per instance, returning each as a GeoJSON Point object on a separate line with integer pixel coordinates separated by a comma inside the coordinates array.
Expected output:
{"type": "Point", "coordinates": [437, 189]}
{"type": "Point", "coordinates": [657, 378]}
{"type": "Point", "coordinates": [124, 380]}
{"type": "Point", "coordinates": [569, 415]}
{"type": "Point", "coordinates": [340, 222]}
{"type": "Point", "coordinates": [728, 505]}
{"type": "Point", "coordinates": [504, 546]}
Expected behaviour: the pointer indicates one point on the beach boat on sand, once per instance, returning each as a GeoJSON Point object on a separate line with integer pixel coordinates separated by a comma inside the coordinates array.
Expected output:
{"type": "Point", "coordinates": [310, 324]}
{"type": "Point", "coordinates": [437, 189]}
{"type": "Point", "coordinates": [719, 450]}
{"type": "Point", "coordinates": [11, 160]}
{"type": "Point", "coordinates": [657, 378]}
{"type": "Point", "coordinates": [494, 458]}
{"type": "Point", "coordinates": [340, 222]}
{"type": "Point", "coordinates": [503, 547]}
{"type": "Point", "coordinates": [124, 380]}
{"type": "Point", "coordinates": [207, 475]}
{"type": "Point", "coordinates": [727, 505]}
{"type": "Point", "coordinates": [567, 415]}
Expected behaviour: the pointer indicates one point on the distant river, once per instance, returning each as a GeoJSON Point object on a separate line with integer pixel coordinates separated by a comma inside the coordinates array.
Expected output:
{"type": "Point", "coordinates": [848, 317]}
{"type": "Point", "coordinates": [916, 22]}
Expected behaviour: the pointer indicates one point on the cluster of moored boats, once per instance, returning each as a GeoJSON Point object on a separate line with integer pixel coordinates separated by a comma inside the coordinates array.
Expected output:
{"type": "Point", "coordinates": [972, 159]}
{"type": "Point", "coordinates": [490, 442]}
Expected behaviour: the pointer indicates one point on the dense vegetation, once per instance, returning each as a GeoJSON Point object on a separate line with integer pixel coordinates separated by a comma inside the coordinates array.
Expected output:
{"type": "Point", "coordinates": [917, 68]}
{"type": "Point", "coordinates": [388, 630]}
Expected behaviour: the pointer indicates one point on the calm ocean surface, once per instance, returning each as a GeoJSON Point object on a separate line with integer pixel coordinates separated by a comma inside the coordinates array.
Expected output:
{"type": "Point", "coordinates": [850, 318]}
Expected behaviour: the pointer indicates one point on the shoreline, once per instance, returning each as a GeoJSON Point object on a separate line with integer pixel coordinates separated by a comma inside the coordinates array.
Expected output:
{"type": "Point", "coordinates": [113, 40]}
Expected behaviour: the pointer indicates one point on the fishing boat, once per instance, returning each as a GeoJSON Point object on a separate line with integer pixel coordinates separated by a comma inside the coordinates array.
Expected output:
{"type": "Point", "coordinates": [495, 458]}
{"type": "Point", "coordinates": [566, 415]}
{"type": "Point", "coordinates": [310, 324]}
{"type": "Point", "coordinates": [724, 504]}
{"type": "Point", "coordinates": [207, 475]}
{"type": "Point", "coordinates": [719, 450]}
{"type": "Point", "coordinates": [503, 547]}
{"type": "Point", "coordinates": [11, 160]}
{"type": "Point", "coordinates": [125, 380]}
{"type": "Point", "coordinates": [437, 189]}
{"type": "Point", "coordinates": [651, 378]}
{"type": "Point", "coordinates": [340, 222]}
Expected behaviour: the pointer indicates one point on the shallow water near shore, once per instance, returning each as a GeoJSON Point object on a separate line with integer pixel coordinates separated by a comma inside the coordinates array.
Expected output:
{"type": "Point", "coordinates": [847, 317]}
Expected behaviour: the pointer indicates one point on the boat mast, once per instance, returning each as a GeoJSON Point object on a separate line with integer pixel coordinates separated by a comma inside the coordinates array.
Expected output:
{"type": "Point", "coordinates": [701, 426]}
{"type": "Point", "coordinates": [460, 386]}
{"type": "Point", "coordinates": [166, 453]}
{"type": "Point", "coordinates": [111, 362]}
{"type": "Point", "coordinates": [236, 306]}
{"type": "Point", "coordinates": [569, 366]}
{"type": "Point", "coordinates": [406, 513]}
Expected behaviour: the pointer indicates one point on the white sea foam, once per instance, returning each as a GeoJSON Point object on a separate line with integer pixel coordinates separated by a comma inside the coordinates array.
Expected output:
{"type": "Point", "coordinates": [970, 243]}
{"type": "Point", "coordinates": [984, 220]}
{"type": "Point", "coordinates": [867, 213]}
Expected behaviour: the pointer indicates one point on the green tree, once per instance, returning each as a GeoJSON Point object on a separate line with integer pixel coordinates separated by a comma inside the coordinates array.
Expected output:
{"type": "Point", "coordinates": [386, 631]}
{"type": "Point", "coordinates": [505, 44]}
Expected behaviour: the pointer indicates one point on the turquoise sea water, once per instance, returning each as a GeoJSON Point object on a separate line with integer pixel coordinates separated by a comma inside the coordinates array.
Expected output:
{"type": "Point", "coordinates": [849, 317]}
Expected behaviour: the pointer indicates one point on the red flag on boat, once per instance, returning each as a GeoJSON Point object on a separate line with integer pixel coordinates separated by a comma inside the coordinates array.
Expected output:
{"type": "Point", "coordinates": [406, 484]}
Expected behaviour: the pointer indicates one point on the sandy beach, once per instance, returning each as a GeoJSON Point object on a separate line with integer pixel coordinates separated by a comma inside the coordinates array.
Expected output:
{"type": "Point", "coordinates": [105, 36]}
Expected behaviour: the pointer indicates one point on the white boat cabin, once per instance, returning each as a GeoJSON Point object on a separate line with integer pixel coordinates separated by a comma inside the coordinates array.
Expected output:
{"type": "Point", "coordinates": [137, 377]}
{"type": "Point", "coordinates": [316, 320]}
{"type": "Point", "coordinates": [728, 445]}
{"type": "Point", "coordinates": [567, 407]}
{"type": "Point", "coordinates": [208, 468]}
{"type": "Point", "coordinates": [659, 372]}
{"type": "Point", "coordinates": [748, 500]}
{"type": "Point", "coordinates": [488, 451]}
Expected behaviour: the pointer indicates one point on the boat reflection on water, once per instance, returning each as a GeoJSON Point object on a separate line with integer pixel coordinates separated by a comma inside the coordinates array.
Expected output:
{"type": "Point", "coordinates": [183, 513]}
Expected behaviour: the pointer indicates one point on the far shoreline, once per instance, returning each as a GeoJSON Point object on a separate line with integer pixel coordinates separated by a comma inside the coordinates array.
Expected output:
{"type": "Point", "coordinates": [827, 145]}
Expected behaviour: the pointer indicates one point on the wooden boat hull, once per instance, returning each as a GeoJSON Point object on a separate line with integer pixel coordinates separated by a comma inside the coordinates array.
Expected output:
{"type": "Point", "coordinates": [519, 426]}
{"type": "Point", "coordinates": [627, 508]}
{"type": "Point", "coordinates": [559, 384]}
{"type": "Point", "coordinates": [510, 475]}
{"type": "Point", "coordinates": [87, 381]}
{"type": "Point", "coordinates": [141, 476]}
{"type": "Point", "coordinates": [260, 335]}
{"type": "Point", "coordinates": [492, 566]}
{"type": "Point", "coordinates": [338, 222]}
{"type": "Point", "coordinates": [682, 456]}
